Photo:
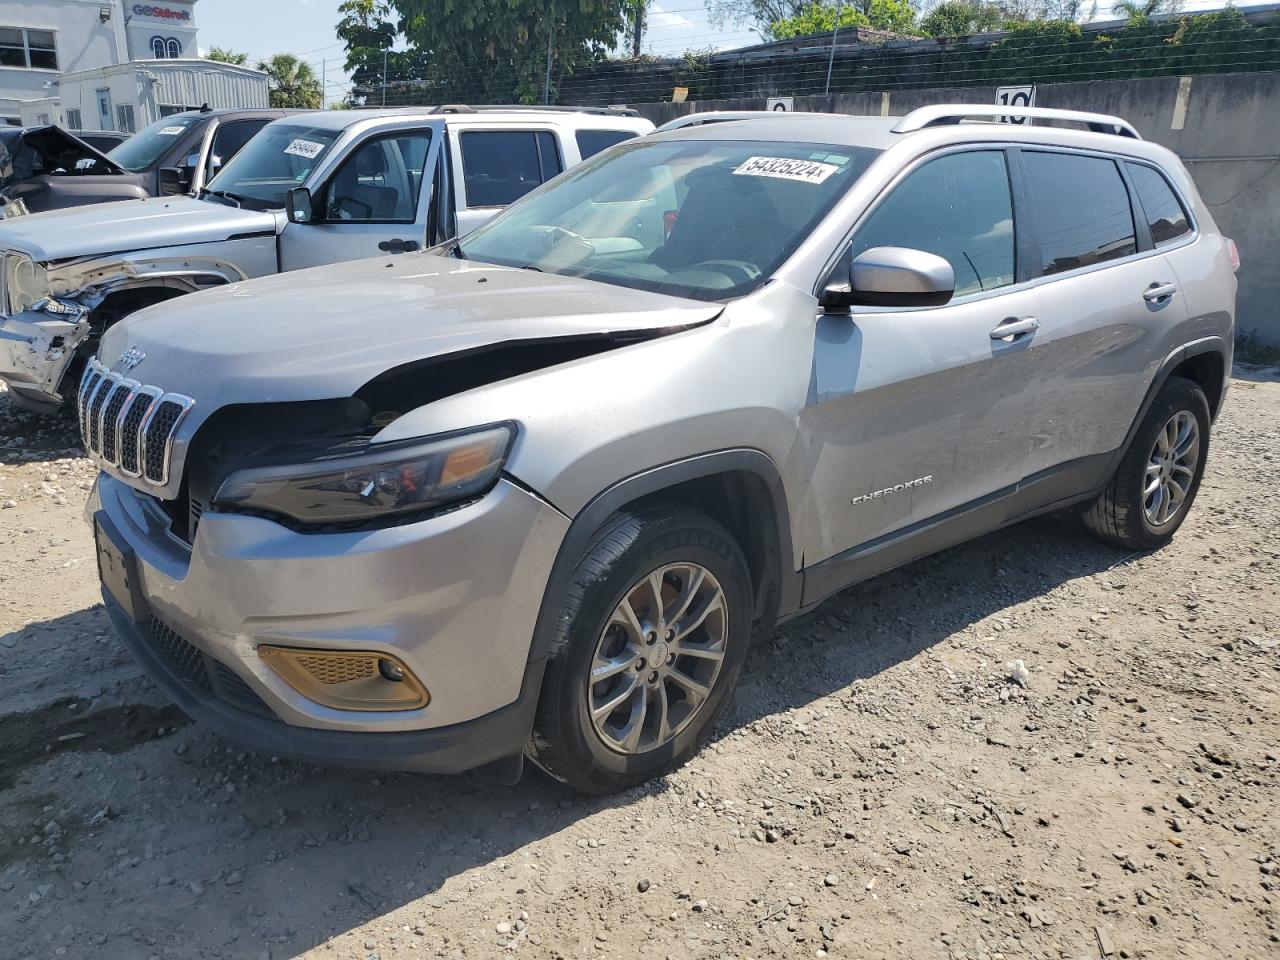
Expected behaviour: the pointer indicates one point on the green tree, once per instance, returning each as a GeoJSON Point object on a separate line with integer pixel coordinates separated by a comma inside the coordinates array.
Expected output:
{"type": "Point", "coordinates": [369, 30]}
{"type": "Point", "coordinates": [223, 55]}
{"type": "Point", "coordinates": [292, 82]}
{"type": "Point", "coordinates": [819, 16]}
{"type": "Point", "coordinates": [1136, 11]}
{"type": "Point", "coordinates": [760, 14]}
{"type": "Point", "coordinates": [487, 50]}
{"type": "Point", "coordinates": [962, 18]}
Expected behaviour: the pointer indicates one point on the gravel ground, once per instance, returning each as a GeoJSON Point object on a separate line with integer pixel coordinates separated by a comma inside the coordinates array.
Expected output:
{"type": "Point", "coordinates": [881, 787]}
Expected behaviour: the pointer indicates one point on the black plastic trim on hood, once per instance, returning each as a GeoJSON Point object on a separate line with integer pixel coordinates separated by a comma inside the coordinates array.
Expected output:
{"type": "Point", "coordinates": [403, 388]}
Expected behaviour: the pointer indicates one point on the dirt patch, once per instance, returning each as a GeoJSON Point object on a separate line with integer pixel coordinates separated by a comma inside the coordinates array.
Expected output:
{"type": "Point", "coordinates": [72, 724]}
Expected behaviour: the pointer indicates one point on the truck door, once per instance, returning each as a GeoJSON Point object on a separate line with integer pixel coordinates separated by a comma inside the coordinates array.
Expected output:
{"type": "Point", "coordinates": [376, 201]}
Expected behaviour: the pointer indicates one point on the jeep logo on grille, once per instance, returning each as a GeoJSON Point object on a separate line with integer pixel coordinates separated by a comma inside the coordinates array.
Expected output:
{"type": "Point", "coordinates": [131, 358]}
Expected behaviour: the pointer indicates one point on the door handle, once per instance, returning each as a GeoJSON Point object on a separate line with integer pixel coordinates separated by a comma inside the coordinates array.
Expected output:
{"type": "Point", "coordinates": [398, 246]}
{"type": "Point", "coordinates": [1159, 292]}
{"type": "Point", "coordinates": [1014, 327]}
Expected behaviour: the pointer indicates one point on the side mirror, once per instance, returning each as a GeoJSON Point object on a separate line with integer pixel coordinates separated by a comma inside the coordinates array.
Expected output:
{"type": "Point", "coordinates": [895, 277]}
{"type": "Point", "coordinates": [298, 206]}
{"type": "Point", "coordinates": [173, 181]}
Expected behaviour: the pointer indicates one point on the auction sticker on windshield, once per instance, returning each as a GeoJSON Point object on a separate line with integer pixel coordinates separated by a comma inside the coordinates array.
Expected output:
{"type": "Point", "coordinates": [171, 131]}
{"type": "Point", "coordinates": [782, 168]}
{"type": "Point", "coordinates": [304, 148]}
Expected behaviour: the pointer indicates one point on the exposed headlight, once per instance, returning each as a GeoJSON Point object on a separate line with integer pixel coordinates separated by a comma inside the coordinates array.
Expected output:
{"type": "Point", "coordinates": [25, 282]}
{"type": "Point", "coordinates": [382, 483]}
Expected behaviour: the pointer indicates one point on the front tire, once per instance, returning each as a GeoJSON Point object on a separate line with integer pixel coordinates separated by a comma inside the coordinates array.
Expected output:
{"type": "Point", "coordinates": [1152, 490]}
{"type": "Point", "coordinates": [652, 634]}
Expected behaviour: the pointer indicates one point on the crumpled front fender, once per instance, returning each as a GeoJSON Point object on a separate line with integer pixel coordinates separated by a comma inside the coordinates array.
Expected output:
{"type": "Point", "coordinates": [35, 351]}
{"type": "Point", "coordinates": [91, 281]}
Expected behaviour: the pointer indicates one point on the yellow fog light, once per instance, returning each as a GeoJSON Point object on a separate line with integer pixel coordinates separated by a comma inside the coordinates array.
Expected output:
{"type": "Point", "coordinates": [348, 680]}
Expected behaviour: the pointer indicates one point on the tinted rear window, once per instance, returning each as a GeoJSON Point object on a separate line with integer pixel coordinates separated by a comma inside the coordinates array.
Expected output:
{"type": "Point", "coordinates": [591, 142]}
{"type": "Point", "coordinates": [1165, 216]}
{"type": "Point", "coordinates": [501, 166]}
{"type": "Point", "coordinates": [1082, 210]}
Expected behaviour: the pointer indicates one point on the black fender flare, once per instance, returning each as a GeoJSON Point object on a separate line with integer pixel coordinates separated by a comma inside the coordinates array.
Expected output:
{"type": "Point", "coordinates": [1174, 360]}
{"type": "Point", "coordinates": [646, 483]}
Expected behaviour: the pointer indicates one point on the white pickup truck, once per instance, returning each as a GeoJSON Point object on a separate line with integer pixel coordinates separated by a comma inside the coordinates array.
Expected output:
{"type": "Point", "coordinates": [309, 189]}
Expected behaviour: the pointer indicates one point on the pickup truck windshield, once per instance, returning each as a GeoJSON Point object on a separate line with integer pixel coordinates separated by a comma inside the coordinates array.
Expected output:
{"type": "Point", "coordinates": [278, 159]}
{"type": "Point", "coordinates": [149, 144]}
{"type": "Point", "coordinates": [705, 219]}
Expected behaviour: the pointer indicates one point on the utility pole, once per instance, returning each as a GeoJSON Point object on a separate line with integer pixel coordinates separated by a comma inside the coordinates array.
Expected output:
{"type": "Point", "coordinates": [551, 35]}
{"type": "Point", "coordinates": [324, 82]}
{"type": "Point", "coordinates": [637, 32]}
{"type": "Point", "coordinates": [835, 32]}
{"type": "Point", "coordinates": [384, 78]}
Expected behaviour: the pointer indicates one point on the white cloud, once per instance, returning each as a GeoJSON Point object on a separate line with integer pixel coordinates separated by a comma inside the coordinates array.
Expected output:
{"type": "Point", "coordinates": [659, 18]}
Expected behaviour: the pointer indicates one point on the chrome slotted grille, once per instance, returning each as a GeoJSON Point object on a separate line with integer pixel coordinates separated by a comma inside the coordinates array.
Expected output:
{"type": "Point", "coordinates": [129, 425]}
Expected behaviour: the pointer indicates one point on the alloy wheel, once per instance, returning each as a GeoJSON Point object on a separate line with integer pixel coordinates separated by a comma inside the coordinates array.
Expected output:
{"type": "Point", "coordinates": [1171, 468]}
{"type": "Point", "coordinates": [658, 657]}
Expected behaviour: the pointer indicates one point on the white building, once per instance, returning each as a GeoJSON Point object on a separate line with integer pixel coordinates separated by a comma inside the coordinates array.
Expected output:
{"type": "Point", "coordinates": [110, 64]}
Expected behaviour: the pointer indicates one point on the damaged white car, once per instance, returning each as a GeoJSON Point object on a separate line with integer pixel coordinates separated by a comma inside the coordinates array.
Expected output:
{"type": "Point", "coordinates": [310, 189]}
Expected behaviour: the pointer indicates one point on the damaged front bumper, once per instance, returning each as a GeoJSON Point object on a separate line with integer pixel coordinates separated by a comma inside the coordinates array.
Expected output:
{"type": "Point", "coordinates": [36, 349]}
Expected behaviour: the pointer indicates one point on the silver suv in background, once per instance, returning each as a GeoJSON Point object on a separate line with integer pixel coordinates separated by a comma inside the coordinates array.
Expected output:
{"type": "Point", "coordinates": [529, 494]}
{"type": "Point", "coordinates": [310, 189]}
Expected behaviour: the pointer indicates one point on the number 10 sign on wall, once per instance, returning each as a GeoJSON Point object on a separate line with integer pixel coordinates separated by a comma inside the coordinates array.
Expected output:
{"type": "Point", "coordinates": [1016, 97]}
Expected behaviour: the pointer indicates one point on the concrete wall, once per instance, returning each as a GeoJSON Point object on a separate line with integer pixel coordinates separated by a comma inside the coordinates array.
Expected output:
{"type": "Point", "coordinates": [1226, 130]}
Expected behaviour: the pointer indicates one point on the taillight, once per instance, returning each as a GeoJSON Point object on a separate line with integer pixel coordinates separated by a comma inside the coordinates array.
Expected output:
{"type": "Point", "coordinates": [1234, 251]}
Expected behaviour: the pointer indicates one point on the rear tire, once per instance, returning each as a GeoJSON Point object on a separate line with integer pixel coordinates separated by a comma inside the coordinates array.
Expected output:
{"type": "Point", "coordinates": [1152, 490]}
{"type": "Point", "coordinates": [628, 618]}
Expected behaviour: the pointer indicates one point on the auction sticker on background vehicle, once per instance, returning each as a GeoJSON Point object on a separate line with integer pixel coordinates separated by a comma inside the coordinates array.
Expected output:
{"type": "Point", "coordinates": [785, 168]}
{"type": "Point", "coordinates": [304, 148]}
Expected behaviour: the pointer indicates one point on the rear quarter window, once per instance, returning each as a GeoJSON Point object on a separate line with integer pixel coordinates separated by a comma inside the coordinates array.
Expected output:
{"type": "Point", "coordinates": [1161, 207]}
{"type": "Point", "coordinates": [591, 142]}
{"type": "Point", "coordinates": [1082, 210]}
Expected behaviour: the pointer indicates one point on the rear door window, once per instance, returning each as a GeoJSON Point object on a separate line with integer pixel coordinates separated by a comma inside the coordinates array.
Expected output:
{"type": "Point", "coordinates": [958, 207]}
{"type": "Point", "coordinates": [501, 166]}
{"type": "Point", "coordinates": [591, 142]}
{"type": "Point", "coordinates": [1082, 210]}
{"type": "Point", "coordinates": [1160, 205]}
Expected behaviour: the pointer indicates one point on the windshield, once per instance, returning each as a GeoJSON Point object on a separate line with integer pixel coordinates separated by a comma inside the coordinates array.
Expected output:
{"type": "Point", "coordinates": [697, 218]}
{"type": "Point", "coordinates": [278, 159]}
{"type": "Point", "coordinates": [149, 144]}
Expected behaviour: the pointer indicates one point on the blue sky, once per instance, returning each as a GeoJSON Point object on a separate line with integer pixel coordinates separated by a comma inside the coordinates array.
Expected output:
{"type": "Point", "coordinates": [306, 28]}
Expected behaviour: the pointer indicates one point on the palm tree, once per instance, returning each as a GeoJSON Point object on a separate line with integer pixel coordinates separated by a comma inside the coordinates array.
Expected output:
{"type": "Point", "coordinates": [1142, 9]}
{"type": "Point", "coordinates": [292, 82]}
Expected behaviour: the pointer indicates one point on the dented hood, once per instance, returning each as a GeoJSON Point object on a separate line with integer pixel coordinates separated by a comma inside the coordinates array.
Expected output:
{"type": "Point", "coordinates": [106, 228]}
{"type": "Point", "coordinates": [325, 332]}
{"type": "Point", "coordinates": [53, 147]}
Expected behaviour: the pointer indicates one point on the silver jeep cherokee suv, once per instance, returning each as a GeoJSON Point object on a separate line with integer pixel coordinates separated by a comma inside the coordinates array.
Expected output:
{"type": "Point", "coordinates": [527, 494]}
